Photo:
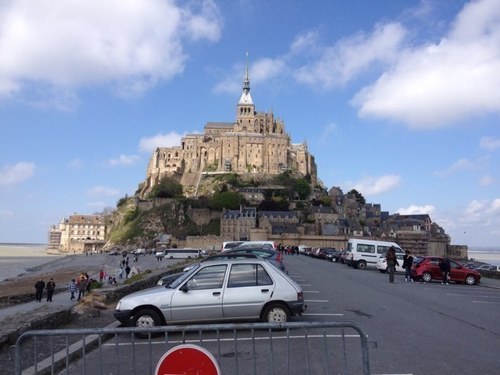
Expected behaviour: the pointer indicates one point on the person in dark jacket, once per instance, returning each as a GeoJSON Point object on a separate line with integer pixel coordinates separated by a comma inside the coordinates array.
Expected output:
{"type": "Point", "coordinates": [39, 287]}
{"type": "Point", "coordinates": [392, 262]}
{"type": "Point", "coordinates": [445, 268]}
{"type": "Point", "coordinates": [407, 263]}
{"type": "Point", "coordinates": [51, 286]}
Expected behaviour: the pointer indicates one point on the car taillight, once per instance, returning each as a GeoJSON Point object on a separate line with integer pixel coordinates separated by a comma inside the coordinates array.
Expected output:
{"type": "Point", "coordinates": [300, 296]}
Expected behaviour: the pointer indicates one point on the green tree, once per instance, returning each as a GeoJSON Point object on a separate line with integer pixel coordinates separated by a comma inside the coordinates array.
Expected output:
{"type": "Point", "coordinates": [227, 199]}
{"type": "Point", "coordinates": [167, 188]}
{"type": "Point", "coordinates": [303, 188]}
{"type": "Point", "coordinates": [359, 197]}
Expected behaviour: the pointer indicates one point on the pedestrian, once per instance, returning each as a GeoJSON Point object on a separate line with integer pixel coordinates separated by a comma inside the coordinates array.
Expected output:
{"type": "Point", "coordinates": [39, 287]}
{"type": "Point", "coordinates": [51, 286]}
{"type": "Point", "coordinates": [407, 263]}
{"type": "Point", "coordinates": [72, 289]}
{"type": "Point", "coordinates": [445, 267]}
{"type": "Point", "coordinates": [82, 286]}
{"type": "Point", "coordinates": [120, 274]}
{"type": "Point", "coordinates": [392, 262]}
{"type": "Point", "coordinates": [101, 276]}
{"type": "Point", "coordinates": [127, 271]}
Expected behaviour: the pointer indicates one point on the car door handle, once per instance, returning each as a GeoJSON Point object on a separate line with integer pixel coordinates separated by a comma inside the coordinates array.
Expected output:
{"type": "Point", "coordinates": [216, 293]}
{"type": "Point", "coordinates": [264, 290]}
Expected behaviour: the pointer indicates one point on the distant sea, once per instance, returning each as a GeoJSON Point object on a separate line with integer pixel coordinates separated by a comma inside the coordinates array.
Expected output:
{"type": "Point", "coordinates": [18, 258]}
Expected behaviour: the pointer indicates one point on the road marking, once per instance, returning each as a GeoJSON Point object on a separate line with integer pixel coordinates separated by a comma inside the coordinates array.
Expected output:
{"type": "Point", "coordinates": [486, 302]}
{"type": "Point", "coordinates": [317, 300]}
{"type": "Point", "coordinates": [311, 291]}
{"type": "Point", "coordinates": [322, 314]}
{"type": "Point", "coordinates": [475, 296]}
{"type": "Point", "coordinates": [305, 284]}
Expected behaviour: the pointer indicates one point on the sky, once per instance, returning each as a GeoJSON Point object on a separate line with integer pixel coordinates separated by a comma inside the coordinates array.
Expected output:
{"type": "Point", "coordinates": [397, 99]}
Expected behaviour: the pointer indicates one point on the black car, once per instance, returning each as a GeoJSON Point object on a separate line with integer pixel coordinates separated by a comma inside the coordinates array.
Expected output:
{"type": "Point", "coordinates": [326, 253]}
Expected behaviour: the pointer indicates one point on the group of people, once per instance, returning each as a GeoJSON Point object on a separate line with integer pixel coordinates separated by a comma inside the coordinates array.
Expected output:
{"type": "Point", "coordinates": [392, 262]}
{"type": "Point", "coordinates": [40, 286]}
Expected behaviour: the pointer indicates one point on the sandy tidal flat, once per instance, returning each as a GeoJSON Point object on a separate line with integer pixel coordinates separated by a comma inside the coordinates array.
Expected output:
{"type": "Point", "coordinates": [18, 259]}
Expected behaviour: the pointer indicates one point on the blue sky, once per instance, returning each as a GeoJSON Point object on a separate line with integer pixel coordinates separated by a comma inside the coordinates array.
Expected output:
{"type": "Point", "coordinates": [398, 99]}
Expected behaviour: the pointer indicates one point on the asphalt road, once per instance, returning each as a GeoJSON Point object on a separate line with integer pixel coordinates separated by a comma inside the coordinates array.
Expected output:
{"type": "Point", "coordinates": [418, 328]}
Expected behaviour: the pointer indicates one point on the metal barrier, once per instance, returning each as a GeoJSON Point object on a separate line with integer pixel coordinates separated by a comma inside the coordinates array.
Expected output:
{"type": "Point", "coordinates": [249, 348]}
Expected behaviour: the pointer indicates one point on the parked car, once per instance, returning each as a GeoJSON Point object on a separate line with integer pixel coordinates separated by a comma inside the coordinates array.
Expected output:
{"type": "Point", "coordinates": [344, 255]}
{"type": "Point", "coordinates": [223, 290]}
{"type": "Point", "coordinates": [273, 256]}
{"type": "Point", "coordinates": [326, 253]}
{"type": "Point", "coordinates": [114, 252]}
{"type": "Point", "coordinates": [488, 267]}
{"type": "Point", "coordinates": [427, 269]}
{"type": "Point", "coordinates": [382, 263]}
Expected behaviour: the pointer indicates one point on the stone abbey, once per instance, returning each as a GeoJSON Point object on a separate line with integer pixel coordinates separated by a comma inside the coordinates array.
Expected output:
{"type": "Point", "coordinates": [256, 143]}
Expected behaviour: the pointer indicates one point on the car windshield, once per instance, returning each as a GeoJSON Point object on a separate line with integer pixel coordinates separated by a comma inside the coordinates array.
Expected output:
{"type": "Point", "coordinates": [418, 260]}
{"type": "Point", "coordinates": [181, 279]}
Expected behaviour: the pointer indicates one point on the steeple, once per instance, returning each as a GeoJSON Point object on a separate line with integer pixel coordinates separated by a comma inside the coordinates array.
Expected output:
{"type": "Point", "coordinates": [246, 98]}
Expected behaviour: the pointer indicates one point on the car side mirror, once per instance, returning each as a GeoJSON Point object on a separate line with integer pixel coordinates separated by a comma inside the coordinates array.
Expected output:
{"type": "Point", "coordinates": [184, 288]}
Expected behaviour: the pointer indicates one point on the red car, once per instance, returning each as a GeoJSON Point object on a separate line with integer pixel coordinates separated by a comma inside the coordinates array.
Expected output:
{"type": "Point", "coordinates": [427, 269]}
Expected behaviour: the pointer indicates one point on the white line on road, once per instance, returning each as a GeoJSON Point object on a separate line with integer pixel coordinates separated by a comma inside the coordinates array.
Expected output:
{"type": "Point", "coordinates": [317, 300]}
{"type": "Point", "coordinates": [322, 314]}
{"type": "Point", "coordinates": [311, 291]}
{"type": "Point", "coordinates": [486, 302]}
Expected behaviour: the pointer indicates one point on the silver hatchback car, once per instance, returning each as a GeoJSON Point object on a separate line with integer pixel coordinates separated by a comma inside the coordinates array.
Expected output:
{"type": "Point", "coordinates": [224, 290]}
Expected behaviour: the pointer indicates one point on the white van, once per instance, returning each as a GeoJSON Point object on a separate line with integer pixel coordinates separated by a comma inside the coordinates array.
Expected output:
{"type": "Point", "coordinates": [363, 253]}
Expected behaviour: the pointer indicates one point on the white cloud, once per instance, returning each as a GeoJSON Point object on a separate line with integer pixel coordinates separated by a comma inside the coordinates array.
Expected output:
{"type": "Point", "coordinates": [459, 165]}
{"type": "Point", "coordinates": [76, 163]}
{"type": "Point", "coordinates": [124, 160]}
{"type": "Point", "coordinates": [486, 180]}
{"type": "Point", "coordinates": [328, 130]}
{"type": "Point", "coordinates": [11, 175]}
{"type": "Point", "coordinates": [350, 57]}
{"type": "Point", "coordinates": [376, 185]}
{"type": "Point", "coordinates": [434, 85]}
{"type": "Point", "coordinates": [126, 44]}
{"type": "Point", "coordinates": [262, 70]}
{"type": "Point", "coordinates": [6, 213]}
{"type": "Point", "coordinates": [416, 210]}
{"type": "Point", "coordinates": [103, 191]}
{"type": "Point", "coordinates": [149, 144]}
{"type": "Point", "coordinates": [489, 143]}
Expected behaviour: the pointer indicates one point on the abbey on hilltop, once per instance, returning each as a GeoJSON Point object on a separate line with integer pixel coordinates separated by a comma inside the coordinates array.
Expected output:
{"type": "Point", "coordinates": [256, 143]}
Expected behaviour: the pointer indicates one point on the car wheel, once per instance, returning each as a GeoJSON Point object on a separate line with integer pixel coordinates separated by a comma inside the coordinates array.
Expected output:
{"type": "Point", "coordinates": [275, 313]}
{"type": "Point", "coordinates": [427, 277]}
{"type": "Point", "coordinates": [470, 280]}
{"type": "Point", "coordinates": [146, 318]}
{"type": "Point", "coordinates": [361, 265]}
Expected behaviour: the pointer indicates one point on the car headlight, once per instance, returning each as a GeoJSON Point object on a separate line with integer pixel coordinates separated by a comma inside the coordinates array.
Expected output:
{"type": "Point", "coordinates": [118, 305]}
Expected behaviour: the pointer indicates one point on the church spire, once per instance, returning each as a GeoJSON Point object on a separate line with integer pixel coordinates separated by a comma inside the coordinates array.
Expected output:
{"type": "Point", "coordinates": [246, 98]}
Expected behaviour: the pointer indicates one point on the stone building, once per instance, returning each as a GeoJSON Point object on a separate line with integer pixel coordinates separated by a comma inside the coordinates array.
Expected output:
{"type": "Point", "coordinates": [78, 233]}
{"type": "Point", "coordinates": [255, 143]}
{"type": "Point", "coordinates": [235, 225]}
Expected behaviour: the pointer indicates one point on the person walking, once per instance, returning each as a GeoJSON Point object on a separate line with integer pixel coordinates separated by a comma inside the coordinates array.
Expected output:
{"type": "Point", "coordinates": [82, 286]}
{"type": "Point", "coordinates": [39, 287]}
{"type": "Point", "coordinates": [392, 262]}
{"type": "Point", "coordinates": [127, 271]}
{"type": "Point", "coordinates": [445, 268]}
{"type": "Point", "coordinates": [72, 289]}
{"type": "Point", "coordinates": [51, 286]}
{"type": "Point", "coordinates": [407, 263]}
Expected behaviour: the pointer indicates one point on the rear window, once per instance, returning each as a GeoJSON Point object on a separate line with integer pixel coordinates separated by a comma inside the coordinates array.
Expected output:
{"type": "Point", "coordinates": [418, 260]}
{"type": "Point", "coordinates": [248, 275]}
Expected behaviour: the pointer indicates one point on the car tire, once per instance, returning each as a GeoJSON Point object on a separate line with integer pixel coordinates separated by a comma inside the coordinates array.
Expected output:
{"type": "Point", "coordinates": [275, 313]}
{"type": "Point", "coordinates": [470, 280]}
{"type": "Point", "coordinates": [361, 265]}
{"type": "Point", "coordinates": [146, 318]}
{"type": "Point", "coordinates": [426, 277]}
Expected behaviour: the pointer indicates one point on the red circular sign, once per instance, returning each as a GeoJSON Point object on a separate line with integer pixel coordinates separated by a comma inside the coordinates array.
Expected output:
{"type": "Point", "coordinates": [187, 359]}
